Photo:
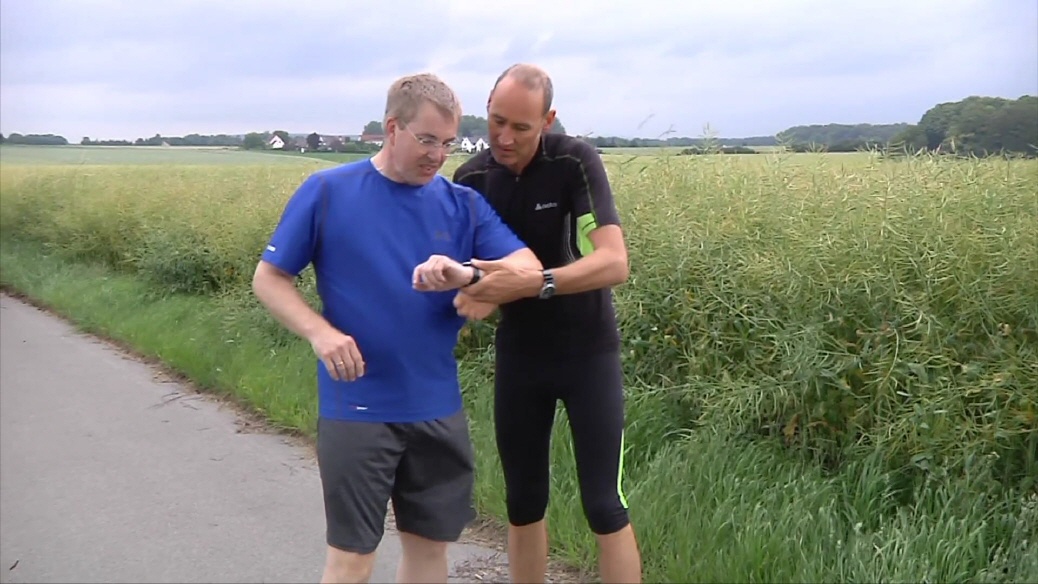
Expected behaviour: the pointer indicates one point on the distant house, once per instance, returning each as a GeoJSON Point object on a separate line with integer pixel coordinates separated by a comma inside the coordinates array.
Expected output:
{"type": "Point", "coordinates": [276, 143]}
{"type": "Point", "coordinates": [372, 138]}
{"type": "Point", "coordinates": [325, 142]}
{"type": "Point", "coordinates": [333, 143]}
{"type": "Point", "coordinates": [467, 145]}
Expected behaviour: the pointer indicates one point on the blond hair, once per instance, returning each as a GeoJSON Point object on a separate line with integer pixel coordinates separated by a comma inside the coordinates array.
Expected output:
{"type": "Point", "coordinates": [407, 94]}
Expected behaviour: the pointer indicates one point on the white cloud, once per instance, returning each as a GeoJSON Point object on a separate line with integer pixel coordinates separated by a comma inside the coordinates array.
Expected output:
{"type": "Point", "coordinates": [130, 69]}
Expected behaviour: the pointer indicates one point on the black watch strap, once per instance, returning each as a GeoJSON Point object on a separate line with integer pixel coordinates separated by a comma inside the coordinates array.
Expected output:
{"type": "Point", "coordinates": [477, 273]}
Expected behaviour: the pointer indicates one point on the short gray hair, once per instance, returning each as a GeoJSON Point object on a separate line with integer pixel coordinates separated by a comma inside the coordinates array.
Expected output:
{"type": "Point", "coordinates": [531, 77]}
{"type": "Point", "coordinates": [407, 94]}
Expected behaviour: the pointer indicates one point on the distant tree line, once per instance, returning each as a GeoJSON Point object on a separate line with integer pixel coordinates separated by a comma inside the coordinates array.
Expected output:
{"type": "Point", "coordinates": [684, 141]}
{"type": "Point", "coordinates": [832, 134]}
{"type": "Point", "coordinates": [159, 140]}
{"type": "Point", "coordinates": [979, 126]}
{"type": "Point", "coordinates": [975, 125]}
{"type": "Point", "coordinates": [34, 139]}
{"type": "Point", "coordinates": [469, 127]}
{"type": "Point", "coordinates": [718, 150]}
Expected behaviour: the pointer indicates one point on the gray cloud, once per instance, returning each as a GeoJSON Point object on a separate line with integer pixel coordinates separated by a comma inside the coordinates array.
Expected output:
{"type": "Point", "coordinates": [126, 69]}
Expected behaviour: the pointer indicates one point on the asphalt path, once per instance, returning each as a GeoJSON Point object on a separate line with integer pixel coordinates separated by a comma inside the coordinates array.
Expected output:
{"type": "Point", "coordinates": [111, 472]}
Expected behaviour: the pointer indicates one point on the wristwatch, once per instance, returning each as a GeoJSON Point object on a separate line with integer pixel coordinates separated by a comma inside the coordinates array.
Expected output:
{"type": "Point", "coordinates": [548, 287]}
{"type": "Point", "coordinates": [476, 273]}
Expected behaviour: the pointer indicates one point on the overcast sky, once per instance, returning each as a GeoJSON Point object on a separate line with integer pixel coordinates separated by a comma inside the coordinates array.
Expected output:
{"type": "Point", "coordinates": [113, 69]}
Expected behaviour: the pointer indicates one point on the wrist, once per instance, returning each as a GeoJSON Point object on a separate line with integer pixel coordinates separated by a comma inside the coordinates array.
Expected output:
{"type": "Point", "coordinates": [472, 274]}
{"type": "Point", "coordinates": [537, 281]}
{"type": "Point", "coordinates": [314, 329]}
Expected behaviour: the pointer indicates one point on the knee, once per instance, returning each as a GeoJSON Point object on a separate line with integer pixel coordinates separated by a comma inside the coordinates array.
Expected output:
{"type": "Point", "coordinates": [606, 516]}
{"type": "Point", "coordinates": [422, 549]}
{"type": "Point", "coordinates": [344, 566]}
{"type": "Point", "coordinates": [527, 502]}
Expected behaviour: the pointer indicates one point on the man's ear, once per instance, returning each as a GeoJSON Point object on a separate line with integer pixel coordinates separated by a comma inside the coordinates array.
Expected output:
{"type": "Point", "coordinates": [549, 120]}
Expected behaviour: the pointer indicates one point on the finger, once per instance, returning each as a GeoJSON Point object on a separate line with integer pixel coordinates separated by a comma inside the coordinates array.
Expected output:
{"type": "Point", "coordinates": [442, 271]}
{"type": "Point", "coordinates": [480, 291]}
{"type": "Point", "coordinates": [343, 365]}
{"type": "Point", "coordinates": [357, 359]}
{"type": "Point", "coordinates": [333, 370]}
{"type": "Point", "coordinates": [351, 369]}
{"type": "Point", "coordinates": [473, 290]}
{"type": "Point", "coordinates": [430, 274]}
{"type": "Point", "coordinates": [488, 265]}
{"type": "Point", "coordinates": [431, 277]}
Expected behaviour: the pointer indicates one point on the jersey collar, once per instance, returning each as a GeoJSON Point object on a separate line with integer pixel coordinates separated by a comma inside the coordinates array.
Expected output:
{"type": "Point", "coordinates": [539, 155]}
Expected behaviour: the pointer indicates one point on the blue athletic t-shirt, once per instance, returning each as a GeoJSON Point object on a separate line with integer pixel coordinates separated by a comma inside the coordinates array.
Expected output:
{"type": "Point", "coordinates": [364, 235]}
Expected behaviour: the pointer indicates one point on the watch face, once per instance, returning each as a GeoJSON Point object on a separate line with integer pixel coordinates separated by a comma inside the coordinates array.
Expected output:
{"type": "Point", "coordinates": [548, 290]}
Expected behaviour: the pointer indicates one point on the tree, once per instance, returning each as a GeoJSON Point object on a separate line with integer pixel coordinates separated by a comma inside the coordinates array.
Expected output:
{"type": "Point", "coordinates": [979, 125]}
{"type": "Point", "coordinates": [2, 139]}
{"type": "Point", "coordinates": [313, 141]}
{"type": "Point", "coordinates": [373, 127]}
{"type": "Point", "coordinates": [831, 134]}
{"type": "Point", "coordinates": [472, 126]}
{"type": "Point", "coordinates": [253, 141]}
{"type": "Point", "coordinates": [1015, 127]}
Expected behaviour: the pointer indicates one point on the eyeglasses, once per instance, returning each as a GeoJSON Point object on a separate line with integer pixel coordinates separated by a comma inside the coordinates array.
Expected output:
{"type": "Point", "coordinates": [431, 143]}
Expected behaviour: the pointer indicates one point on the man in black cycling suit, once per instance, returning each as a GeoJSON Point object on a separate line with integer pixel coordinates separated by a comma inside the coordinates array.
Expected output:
{"type": "Point", "coordinates": [558, 337]}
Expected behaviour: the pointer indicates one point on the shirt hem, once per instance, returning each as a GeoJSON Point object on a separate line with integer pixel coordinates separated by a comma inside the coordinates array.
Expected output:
{"type": "Point", "coordinates": [388, 417]}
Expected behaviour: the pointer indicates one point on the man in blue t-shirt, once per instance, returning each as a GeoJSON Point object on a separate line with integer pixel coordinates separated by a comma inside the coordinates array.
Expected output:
{"type": "Point", "coordinates": [389, 239]}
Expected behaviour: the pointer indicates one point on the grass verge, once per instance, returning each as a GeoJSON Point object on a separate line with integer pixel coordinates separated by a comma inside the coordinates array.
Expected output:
{"type": "Point", "coordinates": [708, 507]}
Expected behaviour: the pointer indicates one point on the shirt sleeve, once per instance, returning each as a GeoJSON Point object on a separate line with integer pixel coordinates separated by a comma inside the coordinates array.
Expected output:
{"type": "Point", "coordinates": [464, 176]}
{"type": "Point", "coordinates": [292, 245]}
{"type": "Point", "coordinates": [493, 238]}
{"type": "Point", "coordinates": [593, 202]}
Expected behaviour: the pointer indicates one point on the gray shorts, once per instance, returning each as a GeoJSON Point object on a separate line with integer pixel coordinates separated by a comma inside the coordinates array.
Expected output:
{"type": "Point", "coordinates": [424, 468]}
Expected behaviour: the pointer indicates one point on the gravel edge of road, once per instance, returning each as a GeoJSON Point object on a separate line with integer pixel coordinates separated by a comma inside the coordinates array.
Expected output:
{"type": "Point", "coordinates": [484, 531]}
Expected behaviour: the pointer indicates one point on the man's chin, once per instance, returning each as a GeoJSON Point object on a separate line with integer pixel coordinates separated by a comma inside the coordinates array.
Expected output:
{"type": "Point", "coordinates": [423, 176]}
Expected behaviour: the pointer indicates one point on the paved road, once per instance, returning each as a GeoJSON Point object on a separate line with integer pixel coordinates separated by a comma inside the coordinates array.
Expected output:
{"type": "Point", "coordinates": [108, 473]}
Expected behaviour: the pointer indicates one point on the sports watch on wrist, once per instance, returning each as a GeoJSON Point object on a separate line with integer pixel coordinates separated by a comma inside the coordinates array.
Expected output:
{"type": "Point", "coordinates": [548, 287]}
{"type": "Point", "coordinates": [477, 274]}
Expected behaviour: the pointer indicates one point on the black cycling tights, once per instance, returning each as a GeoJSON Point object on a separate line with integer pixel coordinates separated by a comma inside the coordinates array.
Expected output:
{"type": "Point", "coordinates": [591, 389]}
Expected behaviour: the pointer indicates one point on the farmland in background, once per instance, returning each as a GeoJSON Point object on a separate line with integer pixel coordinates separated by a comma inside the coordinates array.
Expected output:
{"type": "Point", "coordinates": [831, 359]}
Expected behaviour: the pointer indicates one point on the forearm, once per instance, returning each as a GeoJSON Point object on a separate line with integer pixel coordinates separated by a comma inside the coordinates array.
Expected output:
{"type": "Point", "coordinates": [527, 268]}
{"type": "Point", "coordinates": [522, 260]}
{"type": "Point", "coordinates": [287, 305]}
{"type": "Point", "coordinates": [601, 269]}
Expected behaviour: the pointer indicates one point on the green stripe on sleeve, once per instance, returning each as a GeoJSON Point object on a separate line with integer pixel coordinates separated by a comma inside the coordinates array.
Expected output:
{"type": "Point", "coordinates": [585, 224]}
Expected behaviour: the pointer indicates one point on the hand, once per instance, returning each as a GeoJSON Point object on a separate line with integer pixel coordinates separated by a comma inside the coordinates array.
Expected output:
{"type": "Point", "coordinates": [340, 355]}
{"type": "Point", "coordinates": [504, 282]}
{"type": "Point", "coordinates": [472, 309]}
{"type": "Point", "coordinates": [439, 273]}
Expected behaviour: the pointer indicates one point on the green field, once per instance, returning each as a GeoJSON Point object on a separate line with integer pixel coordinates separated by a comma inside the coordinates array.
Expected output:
{"type": "Point", "coordinates": [831, 360]}
{"type": "Point", "coordinates": [17, 155]}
